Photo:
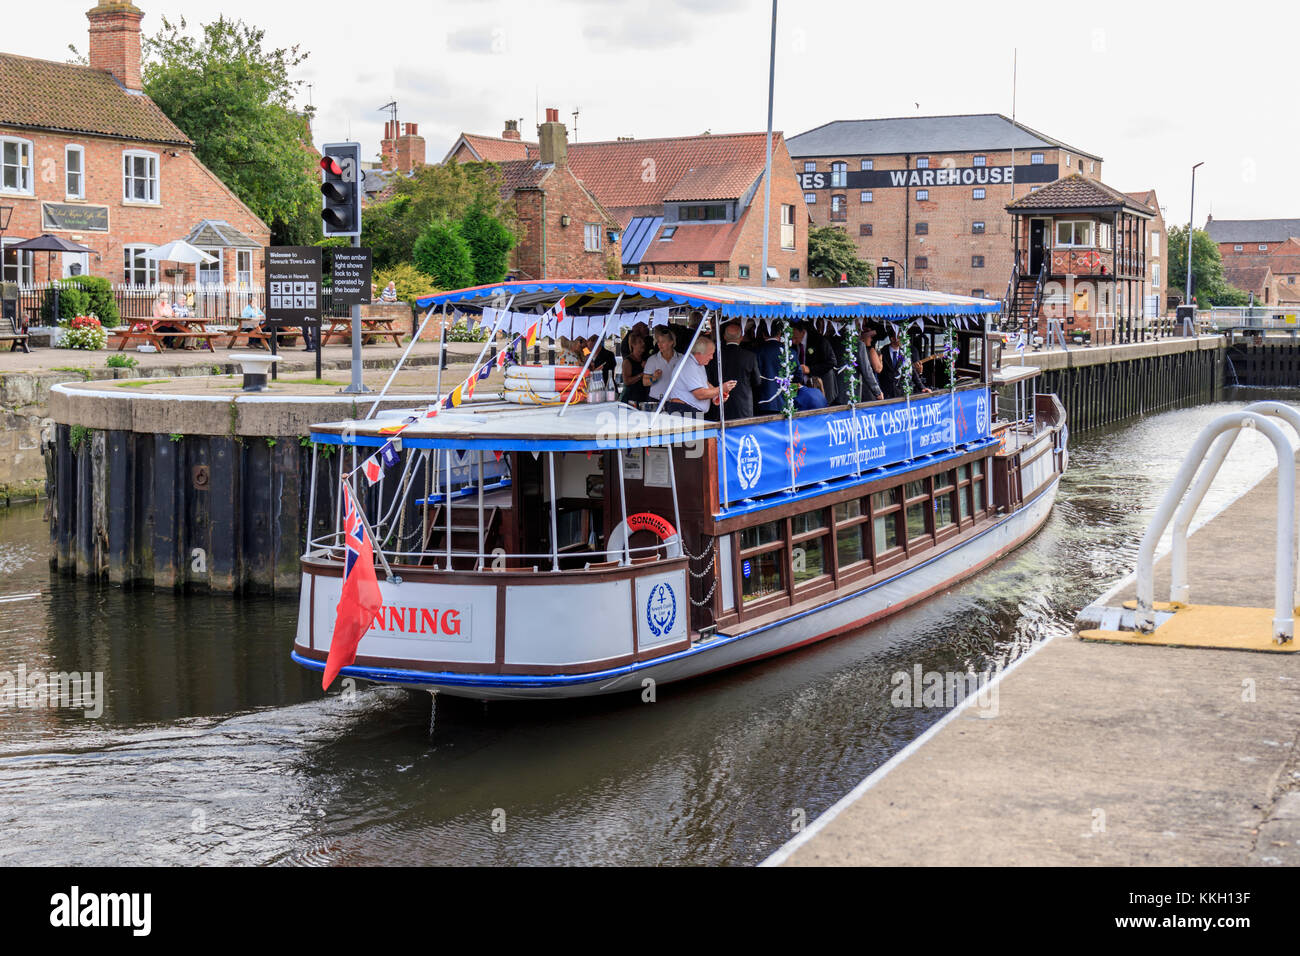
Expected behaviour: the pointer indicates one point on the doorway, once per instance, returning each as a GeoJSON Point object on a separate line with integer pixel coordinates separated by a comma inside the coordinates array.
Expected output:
{"type": "Point", "coordinates": [1037, 244]}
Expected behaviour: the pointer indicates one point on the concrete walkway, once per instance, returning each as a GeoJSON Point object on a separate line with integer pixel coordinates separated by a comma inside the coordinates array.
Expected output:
{"type": "Point", "coordinates": [1104, 754]}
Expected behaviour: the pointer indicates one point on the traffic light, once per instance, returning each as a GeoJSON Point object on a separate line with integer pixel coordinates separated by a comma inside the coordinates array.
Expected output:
{"type": "Point", "coordinates": [340, 188]}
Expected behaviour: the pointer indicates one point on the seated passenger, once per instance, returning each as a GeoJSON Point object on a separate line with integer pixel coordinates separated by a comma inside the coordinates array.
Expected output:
{"type": "Point", "coordinates": [810, 395]}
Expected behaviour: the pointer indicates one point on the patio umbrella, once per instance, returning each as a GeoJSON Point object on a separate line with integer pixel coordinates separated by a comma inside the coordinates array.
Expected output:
{"type": "Point", "coordinates": [178, 250]}
{"type": "Point", "coordinates": [50, 244]}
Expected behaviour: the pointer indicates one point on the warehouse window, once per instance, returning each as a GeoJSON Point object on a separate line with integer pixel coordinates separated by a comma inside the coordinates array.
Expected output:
{"type": "Point", "coordinates": [923, 162]}
{"type": "Point", "coordinates": [1036, 159]}
{"type": "Point", "coordinates": [809, 166]}
{"type": "Point", "coordinates": [839, 208]}
{"type": "Point", "coordinates": [864, 229]}
{"type": "Point", "coordinates": [868, 164]}
{"type": "Point", "coordinates": [1236, 248]}
{"type": "Point", "coordinates": [977, 262]}
{"type": "Point", "coordinates": [839, 175]}
{"type": "Point", "coordinates": [866, 196]}
{"type": "Point", "coordinates": [977, 192]}
{"type": "Point", "coordinates": [922, 262]}
{"type": "Point", "coordinates": [810, 198]}
{"type": "Point", "coordinates": [977, 228]}
{"type": "Point", "coordinates": [922, 195]}
{"type": "Point", "coordinates": [922, 228]}
{"type": "Point", "coordinates": [979, 161]}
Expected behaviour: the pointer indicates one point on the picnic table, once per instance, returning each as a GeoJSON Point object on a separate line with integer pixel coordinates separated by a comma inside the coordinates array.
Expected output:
{"type": "Point", "coordinates": [373, 328]}
{"type": "Point", "coordinates": [151, 331]}
{"type": "Point", "coordinates": [262, 335]}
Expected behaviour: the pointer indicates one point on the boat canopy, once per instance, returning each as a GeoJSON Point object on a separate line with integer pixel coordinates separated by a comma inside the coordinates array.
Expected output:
{"type": "Point", "coordinates": [836, 303]}
{"type": "Point", "coordinates": [504, 426]}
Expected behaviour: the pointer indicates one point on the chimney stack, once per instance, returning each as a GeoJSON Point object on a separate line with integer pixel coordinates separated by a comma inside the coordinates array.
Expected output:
{"type": "Point", "coordinates": [511, 130]}
{"type": "Point", "coordinates": [402, 148]}
{"type": "Point", "coordinates": [115, 41]}
{"type": "Point", "coordinates": [553, 140]}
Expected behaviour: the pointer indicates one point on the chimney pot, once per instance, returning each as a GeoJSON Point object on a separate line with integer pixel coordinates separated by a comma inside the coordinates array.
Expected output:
{"type": "Point", "coordinates": [552, 115]}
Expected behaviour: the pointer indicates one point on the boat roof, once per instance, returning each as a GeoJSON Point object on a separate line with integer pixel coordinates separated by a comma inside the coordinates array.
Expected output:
{"type": "Point", "coordinates": [496, 425]}
{"type": "Point", "coordinates": [840, 302]}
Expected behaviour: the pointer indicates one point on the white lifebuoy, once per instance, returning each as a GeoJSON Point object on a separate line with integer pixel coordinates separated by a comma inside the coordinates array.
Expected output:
{"type": "Point", "coordinates": [618, 537]}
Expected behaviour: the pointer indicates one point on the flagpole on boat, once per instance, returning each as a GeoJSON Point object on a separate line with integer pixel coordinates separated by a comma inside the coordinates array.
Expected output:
{"type": "Point", "coordinates": [767, 173]}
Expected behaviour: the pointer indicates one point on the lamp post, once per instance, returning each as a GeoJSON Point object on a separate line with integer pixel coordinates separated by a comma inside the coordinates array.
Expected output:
{"type": "Point", "coordinates": [1191, 221]}
{"type": "Point", "coordinates": [767, 170]}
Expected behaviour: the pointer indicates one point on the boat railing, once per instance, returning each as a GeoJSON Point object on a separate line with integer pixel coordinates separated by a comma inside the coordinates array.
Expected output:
{"type": "Point", "coordinates": [331, 547]}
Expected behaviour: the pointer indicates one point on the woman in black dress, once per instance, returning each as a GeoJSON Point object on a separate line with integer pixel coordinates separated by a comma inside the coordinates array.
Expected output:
{"type": "Point", "coordinates": [635, 389]}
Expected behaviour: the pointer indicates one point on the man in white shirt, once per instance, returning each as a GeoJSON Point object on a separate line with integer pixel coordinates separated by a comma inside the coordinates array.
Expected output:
{"type": "Point", "coordinates": [692, 392]}
{"type": "Point", "coordinates": [659, 367]}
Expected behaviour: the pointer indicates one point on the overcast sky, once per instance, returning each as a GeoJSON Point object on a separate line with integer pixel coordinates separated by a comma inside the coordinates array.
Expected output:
{"type": "Point", "coordinates": [1149, 88]}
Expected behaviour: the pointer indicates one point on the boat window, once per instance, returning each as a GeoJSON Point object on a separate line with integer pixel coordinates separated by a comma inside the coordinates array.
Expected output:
{"type": "Point", "coordinates": [915, 489]}
{"type": "Point", "coordinates": [804, 523]}
{"type": "Point", "coordinates": [883, 499]}
{"type": "Point", "coordinates": [886, 530]}
{"type": "Point", "coordinates": [808, 560]}
{"type": "Point", "coordinates": [963, 473]}
{"type": "Point", "coordinates": [916, 527]}
{"type": "Point", "coordinates": [943, 509]}
{"type": "Point", "coordinates": [846, 510]}
{"type": "Point", "coordinates": [851, 543]}
{"type": "Point", "coordinates": [761, 534]}
{"type": "Point", "coordinates": [761, 576]}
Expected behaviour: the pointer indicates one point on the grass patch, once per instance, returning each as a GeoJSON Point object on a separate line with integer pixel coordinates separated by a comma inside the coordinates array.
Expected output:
{"type": "Point", "coordinates": [142, 382]}
{"type": "Point", "coordinates": [309, 381]}
{"type": "Point", "coordinates": [83, 372]}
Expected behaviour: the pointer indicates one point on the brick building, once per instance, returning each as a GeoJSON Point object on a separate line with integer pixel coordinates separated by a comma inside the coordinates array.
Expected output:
{"type": "Point", "coordinates": [1250, 237]}
{"type": "Point", "coordinates": [1261, 256]}
{"type": "Point", "coordinates": [85, 155]}
{"type": "Point", "coordinates": [687, 208]}
{"type": "Point", "coordinates": [1157, 256]}
{"type": "Point", "coordinates": [929, 192]}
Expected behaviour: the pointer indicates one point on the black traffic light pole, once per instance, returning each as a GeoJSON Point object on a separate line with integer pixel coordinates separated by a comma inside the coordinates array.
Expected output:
{"type": "Point", "coordinates": [341, 216]}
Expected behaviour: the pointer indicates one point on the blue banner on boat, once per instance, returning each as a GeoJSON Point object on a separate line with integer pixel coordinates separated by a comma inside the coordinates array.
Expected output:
{"type": "Point", "coordinates": [844, 442]}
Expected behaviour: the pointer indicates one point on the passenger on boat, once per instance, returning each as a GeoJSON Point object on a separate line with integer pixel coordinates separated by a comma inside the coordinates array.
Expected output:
{"type": "Point", "coordinates": [768, 399]}
{"type": "Point", "coordinates": [659, 367]}
{"type": "Point", "coordinates": [814, 357]}
{"type": "Point", "coordinates": [625, 347]}
{"type": "Point", "coordinates": [870, 366]}
{"type": "Point", "coordinates": [892, 363]}
{"type": "Point", "coordinates": [810, 395]}
{"type": "Point", "coordinates": [635, 390]}
{"type": "Point", "coordinates": [692, 393]}
{"type": "Point", "coordinates": [603, 363]}
{"type": "Point", "coordinates": [739, 365]}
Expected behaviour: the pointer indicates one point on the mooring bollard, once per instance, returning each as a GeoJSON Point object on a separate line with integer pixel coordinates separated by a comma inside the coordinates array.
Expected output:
{"type": "Point", "coordinates": [256, 368]}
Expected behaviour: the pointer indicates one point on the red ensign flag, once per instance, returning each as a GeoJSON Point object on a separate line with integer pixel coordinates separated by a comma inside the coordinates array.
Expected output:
{"type": "Point", "coordinates": [360, 600]}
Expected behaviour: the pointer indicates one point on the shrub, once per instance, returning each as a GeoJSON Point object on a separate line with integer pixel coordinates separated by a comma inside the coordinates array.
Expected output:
{"type": "Point", "coordinates": [118, 360]}
{"type": "Point", "coordinates": [489, 243]}
{"type": "Point", "coordinates": [72, 303]}
{"type": "Point", "coordinates": [460, 333]}
{"type": "Point", "coordinates": [84, 332]}
{"type": "Point", "coordinates": [442, 254]}
{"type": "Point", "coordinates": [102, 301]}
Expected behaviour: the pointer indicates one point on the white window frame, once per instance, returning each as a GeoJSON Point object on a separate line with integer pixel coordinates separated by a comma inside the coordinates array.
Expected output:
{"type": "Point", "coordinates": [1067, 159]}
{"type": "Point", "coordinates": [810, 166]}
{"type": "Point", "coordinates": [1262, 247]}
{"type": "Point", "coordinates": [591, 237]}
{"type": "Point", "coordinates": [24, 145]}
{"type": "Point", "coordinates": [866, 196]}
{"type": "Point", "coordinates": [1073, 243]}
{"type": "Point", "coordinates": [1155, 275]}
{"type": "Point", "coordinates": [150, 266]}
{"type": "Point", "coordinates": [81, 171]}
{"type": "Point", "coordinates": [867, 164]}
{"type": "Point", "coordinates": [810, 198]}
{"type": "Point", "coordinates": [839, 175]}
{"type": "Point", "coordinates": [923, 195]}
{"type": "Point", "coordinates": [22, 271]}
{"type": "Point", "coordinates": [979, 161]}
{"type": "Point", "coordinates": [787, 226]}
{"type": "Point", "coordinates": [1155, 245]}
{"type": "Point", "coordinates": [1035, 159]}
{"type": "Point", "coordinates": [1236, 248]}
{"type": "Point", "coordinates": [128, 157]}
{"type": "Point", "coordinates": [978, 193]}
{"type": "Point", "coordinates": [923, 162]}
{"type": "Point", "coordinates": [211, 273]}
{"type": "Point", "coordinates": [244, 277]}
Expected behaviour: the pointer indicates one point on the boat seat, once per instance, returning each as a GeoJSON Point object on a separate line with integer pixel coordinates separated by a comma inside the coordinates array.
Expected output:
{"type": "Point", "coordinates": [602, 565]}
{"type": "Point", "coordinates": [646, 559]}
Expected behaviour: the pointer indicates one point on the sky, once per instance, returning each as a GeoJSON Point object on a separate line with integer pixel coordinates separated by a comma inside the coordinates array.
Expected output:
{"type": "Point", "coordinates": [1151, 89]}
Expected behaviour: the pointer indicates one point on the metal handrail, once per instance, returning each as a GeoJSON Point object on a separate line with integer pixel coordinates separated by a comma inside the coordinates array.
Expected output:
{"type": "Point", "coordinates": [1284, 586]}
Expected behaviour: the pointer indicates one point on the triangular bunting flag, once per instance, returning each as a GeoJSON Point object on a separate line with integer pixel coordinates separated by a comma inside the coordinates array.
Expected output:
{"type": "Point", "coordinates": [456, 398]}
{"type": "Point", "coordinates": [531, 339]}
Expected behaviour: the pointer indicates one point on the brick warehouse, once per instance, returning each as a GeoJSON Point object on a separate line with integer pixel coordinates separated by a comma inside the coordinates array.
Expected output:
{"type": "Point", "coordinates": [688, 207]}
{"type": "Point", "coordinates": [929, 192]}
{"type": "Point", "coordinates": [85, 155]}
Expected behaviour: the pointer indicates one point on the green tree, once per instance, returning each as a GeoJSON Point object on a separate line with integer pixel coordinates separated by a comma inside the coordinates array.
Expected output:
{"type": "Point", "coordinates": [490, 243]}
{"type": "Point", "coordinates": [1208, 282]}
{"type": "Point", "coordinates": [233, 96]}
{"type": "Point", "coordinates": [442, 254]}
{"type": "Point", "coordinates": [432, 193]}
{"type": "Point", "coordinates": [831, 253]}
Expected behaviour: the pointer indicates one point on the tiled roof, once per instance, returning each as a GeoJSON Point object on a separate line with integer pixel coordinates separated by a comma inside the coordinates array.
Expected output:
{"type": "Point", "coordinates": [492, 149]}
{"type": "Point", "coordinates": [1252, 230]}
{"type": "Point", "coordinates": [696, 242]}
{"type": "Point", "coordinates": [1283, 259]}
{"type": "Point", "coordinates": [921, 134]}
{"type": "Point", "coordinates": [1146, 197]}
{"type": "Point", "coordinates": [522, 174]}
{"type": "Point", "coordinates": [45, 95]}
{"type": "Point", "coordinates": [1076, 191]}
{"type": "Point", "coordinates": [615, 172]}
{"type": "Point", "coordinates": [1246, 278]}
{"type": "Point", "coordinates": [218, 232]}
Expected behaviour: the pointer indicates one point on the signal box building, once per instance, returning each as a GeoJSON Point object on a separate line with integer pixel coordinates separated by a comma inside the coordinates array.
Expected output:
{"type": "Point", "coordinates": [930, 192]}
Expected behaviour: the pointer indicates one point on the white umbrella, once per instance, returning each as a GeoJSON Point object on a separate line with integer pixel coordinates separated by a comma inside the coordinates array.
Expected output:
{"type": "Point", "coordinates": [179, 250]}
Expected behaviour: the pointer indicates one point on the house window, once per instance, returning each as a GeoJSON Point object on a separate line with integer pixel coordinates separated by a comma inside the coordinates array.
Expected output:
{"type": "Point", "coordinates": [1073, 233]}
{"type": "Point", "coordinates": [1092, 166]}
{"type": "Point", "coordinates": [922, 262]}
{"type": "Point", "coordinates": [706, 269]}
{"type": "Point", "coordinates": [244, 267]}
{"type": "Point", "coordinates": [979, 161]}
{"type": "Point", "coordinates": [210, 273]}
{"type": "Point", "coordinates": [1155, 274]}
{"type": "Point", "coordinates": [591, 237]}
{"type": "Point", "coordinates": [17, 266]}
{"type": "Point", "coordinates": [1155, 245]}
{"type": "Point", "coordinates": [794, 275]}
{"type": "Point", "coordinates": [977, 192]}
{"type": "Point", "coordinates": [839, 175]}
{"type": "Point", "coordinates": [1263, 247]}
{"type": "Point", "coordinates": [667, 233]}
{"type": "Point", "coordinates": [1236, 248]}
{"type": "Point", "coordinates": [702, 213]}
{"type": "Point", "coordinates": [977, 293]}
{"type": "Point", "coordinates": [977, 228]}
{"type": "Point", "coordinates": [868, 164]}
{"type": "Point", "coordinates": [742, 272]}
{"type": "Point", "coordinates": [1067, 161]}
{"type": "Point", "coordinates": [74, 161]}
{"type": "Point", "coordinates": [1080, 165]}
{"type": "Point", "coordinates": [810, 198]}
{"type": "Point", "coordinates": [922, 228]}
{"type": "Point", "coordinates": [809, 166]}
{"type": "Point", "coordinates": [922, 195]}
{"type": "Point", "coordinates": [839, 208]}
{"type": "Point", "coordinates": [923, 162]}
{"type": "Point", "coordinates": [787, 226]}
{"type": "Point", "coordinates": [1036, 159]}
{"type": "Point", "coordinates": [977, 262]}
{"type": "Point", "coordinates": [139, 176]}
{"type": "Point", "coordinates": [139, 270]}
{"type": "Point", "coordinates": [15, 165]}
{"type": "Point", "coordinates": [865, 196]}
{"type": "Point", "coordinates": [864, 229]}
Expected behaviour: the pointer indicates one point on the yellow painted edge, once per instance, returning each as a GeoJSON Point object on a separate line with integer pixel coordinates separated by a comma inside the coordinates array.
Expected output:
{"type": "Point", "coordinates": [1157, 605]}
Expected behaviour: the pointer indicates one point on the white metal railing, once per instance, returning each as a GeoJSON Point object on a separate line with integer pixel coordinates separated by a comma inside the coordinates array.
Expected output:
{"type": "Point", "coordinates": [1251, 317]}
{"type": "Point", "coordinates": [1222, 432]}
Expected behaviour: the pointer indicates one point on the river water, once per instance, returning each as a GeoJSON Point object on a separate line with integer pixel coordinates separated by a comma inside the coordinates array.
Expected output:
{"type": "Point", "coordinates": [213, 747]}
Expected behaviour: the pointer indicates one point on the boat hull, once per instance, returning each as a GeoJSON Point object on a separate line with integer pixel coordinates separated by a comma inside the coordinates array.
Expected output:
{"type": "Point", "coordinates": [838, 615]}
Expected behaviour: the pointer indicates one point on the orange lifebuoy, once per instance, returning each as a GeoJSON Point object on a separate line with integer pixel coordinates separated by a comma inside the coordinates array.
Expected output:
{"type": "Point", "coordinates": [645, 521]}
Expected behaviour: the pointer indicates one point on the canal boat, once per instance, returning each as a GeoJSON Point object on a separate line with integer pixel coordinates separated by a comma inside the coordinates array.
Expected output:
{"type": "Point", "coordinates": [575, 545]}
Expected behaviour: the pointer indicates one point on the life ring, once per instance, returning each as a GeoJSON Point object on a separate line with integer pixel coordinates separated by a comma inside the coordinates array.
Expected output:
{"type": "Point", "coordinates": [645, 521]}
{"type": "Point", "coordinates": [543, 376]}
